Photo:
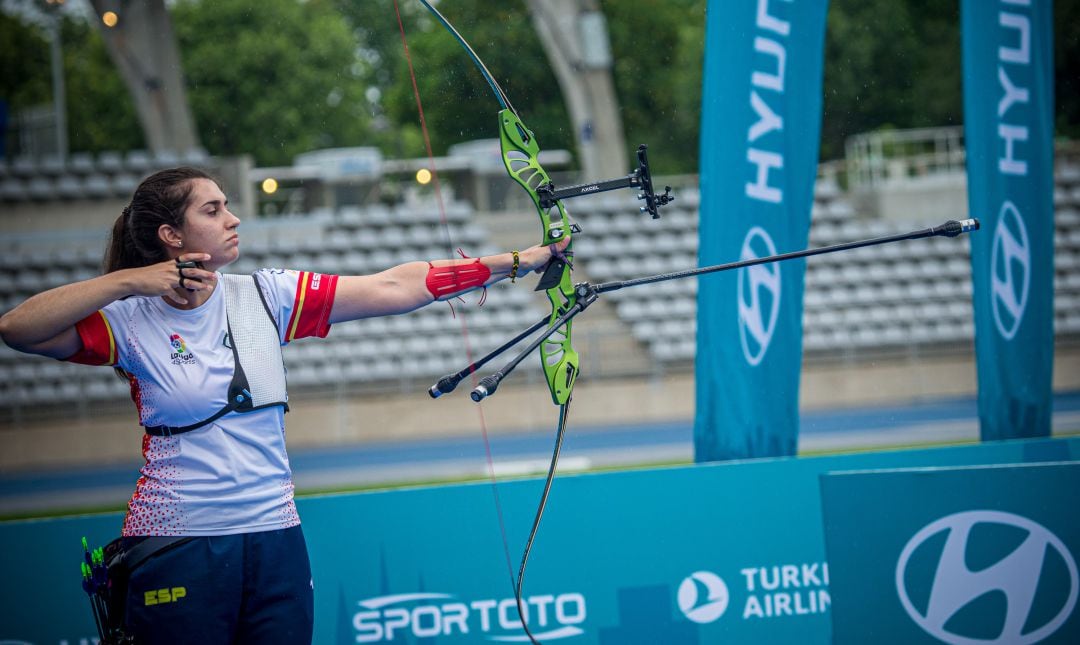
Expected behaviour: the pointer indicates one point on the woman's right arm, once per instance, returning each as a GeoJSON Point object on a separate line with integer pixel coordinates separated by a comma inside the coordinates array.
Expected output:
{"type": "Point", "coordinates": [45, 324]}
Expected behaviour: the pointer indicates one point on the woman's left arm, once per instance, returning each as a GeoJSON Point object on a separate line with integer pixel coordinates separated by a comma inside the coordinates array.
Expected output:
{"type": "Point", "coordinates": [409, 286]}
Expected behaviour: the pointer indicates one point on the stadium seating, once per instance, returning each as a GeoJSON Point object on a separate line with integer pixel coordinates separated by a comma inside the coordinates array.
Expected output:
{"type": "Point", "coordinates": [894, 299]}
{"type": "Point", "coordinates": [83, 175]}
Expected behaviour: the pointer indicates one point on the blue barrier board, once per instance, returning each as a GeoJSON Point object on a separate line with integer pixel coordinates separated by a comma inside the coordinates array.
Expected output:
{"type": "Point", "coordinates": [730, 552]}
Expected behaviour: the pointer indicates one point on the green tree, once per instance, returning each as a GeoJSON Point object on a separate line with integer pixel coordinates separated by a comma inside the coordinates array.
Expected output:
{"type": "Point", "coordinates": [284, 76]}
{"type": "Point", "coordinates": [458, 104]}
{"type": "Point", "coordinates": [273, 79]}
{"type": "Point", "coordinates": [660, 94]}
{"type": "Point", "coordinates": [886, 65]}
{"type": "Point", "coordinates": [1067, 68]}
{"type": "Point", "coordinates": [101, 114]}
{"type": "Point", "coordinates": [99, 110]}
{"type": "Point", "coordinates": [24, 64]}
{"type": "Point", "coordinates": [658, 46]}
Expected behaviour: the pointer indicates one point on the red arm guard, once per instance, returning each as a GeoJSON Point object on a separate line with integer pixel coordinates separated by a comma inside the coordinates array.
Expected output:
{"type": "Point", "coordinates": [444, 282]}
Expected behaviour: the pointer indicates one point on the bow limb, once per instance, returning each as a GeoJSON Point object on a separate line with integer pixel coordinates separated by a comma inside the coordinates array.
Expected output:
{"type": "Point", "coordinates": [520, 153]}
{"type": "Point", "coordinates": [464, 328]}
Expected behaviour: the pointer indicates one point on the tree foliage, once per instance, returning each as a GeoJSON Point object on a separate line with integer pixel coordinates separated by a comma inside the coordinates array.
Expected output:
{"type": "Point", "coordinates": [24, 64]}
{"type": "Point", "coordinates": [458, 105]}
{"type": "Point", "coordinates": [273, 78]}
{"type": "Point", "coordinates": [99, 110]}
{"type": "Point", "coordinates": [1067, 68]}
{"type": "Point", "coordinates": [886, 65]}
{"type": "Point", "coordinates": [280, 77]}
{"type": "Point", "coordinates": [658, 47]}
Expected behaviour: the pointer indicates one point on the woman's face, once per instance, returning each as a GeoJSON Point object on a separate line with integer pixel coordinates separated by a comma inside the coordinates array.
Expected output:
{"type": "Point", "coordinates": [209, 226]}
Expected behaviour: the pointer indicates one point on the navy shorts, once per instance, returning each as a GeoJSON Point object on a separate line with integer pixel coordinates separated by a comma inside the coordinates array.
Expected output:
{"type": "Point", "coordinates": [246, 588]}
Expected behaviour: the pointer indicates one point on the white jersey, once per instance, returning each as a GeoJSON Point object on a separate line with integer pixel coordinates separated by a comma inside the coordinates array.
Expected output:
{"type": "Point", "coordinates": [231, 475]}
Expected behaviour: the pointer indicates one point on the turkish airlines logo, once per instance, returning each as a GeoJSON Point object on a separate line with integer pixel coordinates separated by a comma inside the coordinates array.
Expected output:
{"type": "Point", "coordinates": [1010, 271]}
{"type": "Point", "coordinates": [703, 597]}
{"type": "Point", "coordinates": [759, 296]}
{"type": "Point", "coordinates": [987, 557]}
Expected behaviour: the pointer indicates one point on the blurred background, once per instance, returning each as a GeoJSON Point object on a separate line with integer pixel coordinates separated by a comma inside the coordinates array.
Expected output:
{"type": "Point", "coordinates": [306, 111]}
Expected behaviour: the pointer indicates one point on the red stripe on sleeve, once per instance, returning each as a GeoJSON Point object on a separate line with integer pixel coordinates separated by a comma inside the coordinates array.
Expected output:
{"type": "Point", "coordinates": [99, 345]}
{"type": "Point", "coordinates": [312, 307]}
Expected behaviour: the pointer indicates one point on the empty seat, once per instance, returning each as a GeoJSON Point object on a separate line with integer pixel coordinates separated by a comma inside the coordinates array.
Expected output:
{"type": "Point", "coordinates": [70, 187]}
{"type": "Point", "coordinates": [165, 159]}
{"type": "Point", "coordinates": [195, 157]}
{"type": "Point", "coordinates": [124, 184]}
{"type": "Point", "coordinates": [81, 163]}
{"type": "Point", "coordinates": [13, 189]}
{"type": "Point", "coordinates": [51, 165]}
{"type": "Point", "coordinates": [41, 188]}
{"type": "Point", "coordinates": [138, 161]}
{"type": "Point", "coordinates": [24, 166]}
{"type": "Point", "coordinates": [110, 162]}
{"type": "Point", "coordinates": [97, 186]}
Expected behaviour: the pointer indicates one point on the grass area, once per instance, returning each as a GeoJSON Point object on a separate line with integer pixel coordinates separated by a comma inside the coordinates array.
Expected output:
{"type": "Point", "coordinates": [397, 485]}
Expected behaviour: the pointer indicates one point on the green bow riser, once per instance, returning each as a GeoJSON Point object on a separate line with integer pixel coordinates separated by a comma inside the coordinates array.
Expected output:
{"type": "Point", "coordinates": [520, 153]}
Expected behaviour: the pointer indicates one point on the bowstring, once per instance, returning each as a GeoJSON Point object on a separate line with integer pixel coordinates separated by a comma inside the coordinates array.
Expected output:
{"type": "Point", "coordinates": [564, 413]}
{"type": "Point", "coordinates": [464, 325]}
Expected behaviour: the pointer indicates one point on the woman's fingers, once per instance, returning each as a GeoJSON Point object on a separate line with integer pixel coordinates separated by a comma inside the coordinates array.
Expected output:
{"type": "Point", "coordinates": [193, 257]}
{"type": "Point", "coordinates": [196, 278]}
{"type": "Point", "coordinates": [192, 277]}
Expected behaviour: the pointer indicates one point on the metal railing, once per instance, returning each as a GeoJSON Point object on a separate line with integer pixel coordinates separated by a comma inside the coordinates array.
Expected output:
{"type": "Point", "coordinates": [884, 156]}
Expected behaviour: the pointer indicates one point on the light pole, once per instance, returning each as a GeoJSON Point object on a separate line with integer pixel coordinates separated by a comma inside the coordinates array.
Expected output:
{"type": "Point", "coordinates": [59, 93]}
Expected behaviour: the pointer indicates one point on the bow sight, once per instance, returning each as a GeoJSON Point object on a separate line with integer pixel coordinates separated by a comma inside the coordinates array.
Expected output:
{"type": "Point", "coordinates": [640, 178]}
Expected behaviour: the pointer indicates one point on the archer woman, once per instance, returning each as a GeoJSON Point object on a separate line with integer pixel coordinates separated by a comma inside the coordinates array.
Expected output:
{"type": "Point", "coordinates": [213, 509]}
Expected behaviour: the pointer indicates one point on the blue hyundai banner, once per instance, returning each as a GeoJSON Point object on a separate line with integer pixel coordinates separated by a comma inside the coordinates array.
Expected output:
{"type": "Point", "coordinates": [987, 555]}
{"type": "Point", "coordinates": [760, 125]}
{"type": "Point", "coordinates": [1008, 128]}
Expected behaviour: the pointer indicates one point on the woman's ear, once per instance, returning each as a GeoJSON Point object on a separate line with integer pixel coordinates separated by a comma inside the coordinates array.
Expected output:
{"type": "Point", "coordinates": [170, 237]}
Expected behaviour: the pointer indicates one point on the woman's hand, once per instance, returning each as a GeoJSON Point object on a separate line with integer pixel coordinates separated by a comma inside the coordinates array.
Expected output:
{"type": "Point", "coordinates": [163, 278]}
{"type": "Point", "coordinates": [535, 258]}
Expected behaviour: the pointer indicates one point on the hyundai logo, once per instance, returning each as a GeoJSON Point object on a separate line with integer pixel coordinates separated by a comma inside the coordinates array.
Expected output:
{"type": "Point", "coordinates": [759, 296]}
{"type": "Point", "coordinates": [1010, 270]}
{"type": "Point", "coordinates": [993, 578]}
{"type": "Point", "coordinates": [703, 597]}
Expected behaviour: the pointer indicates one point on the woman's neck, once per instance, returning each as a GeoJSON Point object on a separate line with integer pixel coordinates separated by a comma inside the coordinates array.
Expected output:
{"type": "Point", "coordinates": [194, 299]}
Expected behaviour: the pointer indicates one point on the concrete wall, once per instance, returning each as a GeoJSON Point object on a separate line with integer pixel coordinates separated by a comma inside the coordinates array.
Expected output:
{"type": "Point", "coordinates": [522, 405]}
{"type": "Point", "coordinates": [931, 197]}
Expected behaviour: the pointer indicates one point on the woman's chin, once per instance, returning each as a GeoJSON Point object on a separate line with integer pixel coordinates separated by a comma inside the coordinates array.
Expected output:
{"type": "Point", "coordinates": [223, 259]}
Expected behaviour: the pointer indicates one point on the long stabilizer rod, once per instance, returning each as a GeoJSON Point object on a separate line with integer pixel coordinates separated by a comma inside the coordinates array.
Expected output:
{"type": "Point", "coordinates": [588, 293]}
{"type": "Point", "coordinates": [951, 228]}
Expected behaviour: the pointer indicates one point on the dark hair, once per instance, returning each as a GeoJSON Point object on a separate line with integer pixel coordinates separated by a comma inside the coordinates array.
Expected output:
{"type": "Point", "coordinates": [160, 199]}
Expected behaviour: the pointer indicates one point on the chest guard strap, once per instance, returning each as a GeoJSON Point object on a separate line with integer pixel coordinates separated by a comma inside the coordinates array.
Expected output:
{"type": "Point", "coordinates": [259, 376]}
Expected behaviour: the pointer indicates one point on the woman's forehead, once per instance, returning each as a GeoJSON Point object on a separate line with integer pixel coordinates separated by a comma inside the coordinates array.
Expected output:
{"type": "Point", "coordinates": [205, 190]}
